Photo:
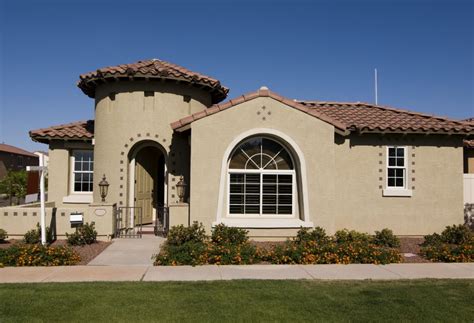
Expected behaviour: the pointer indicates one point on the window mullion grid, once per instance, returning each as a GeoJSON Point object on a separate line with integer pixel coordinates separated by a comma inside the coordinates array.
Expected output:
{"type": "Point", "coordinates": [261, 194]}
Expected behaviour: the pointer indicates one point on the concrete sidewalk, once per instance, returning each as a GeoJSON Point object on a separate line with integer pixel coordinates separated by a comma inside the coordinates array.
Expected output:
{"type": "Point", "coordinates": [129, 252]}
{"type": "Point", "coordinates": [187, 273]}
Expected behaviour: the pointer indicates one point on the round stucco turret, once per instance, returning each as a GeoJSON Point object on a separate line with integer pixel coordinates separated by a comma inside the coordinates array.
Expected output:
{"type": "Point", "coordinates": [136, 103]}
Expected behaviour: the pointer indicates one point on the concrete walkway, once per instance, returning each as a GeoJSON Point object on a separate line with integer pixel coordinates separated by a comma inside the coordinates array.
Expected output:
{"type": "Point", "coordinates": [129, 252]}
{"type": "Point", "coordinates": [187, 273]}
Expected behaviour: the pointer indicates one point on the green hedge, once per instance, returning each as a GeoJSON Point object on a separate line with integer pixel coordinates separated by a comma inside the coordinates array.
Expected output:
{"type": "Point", "coordinates": [454, 244]}
{"type": "Point", "coordinates": [226, 246]}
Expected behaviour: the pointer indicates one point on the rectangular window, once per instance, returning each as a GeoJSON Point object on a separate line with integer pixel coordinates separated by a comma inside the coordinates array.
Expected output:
{"type": "Point", "coordinates": [396, 167]}
{"type": "Point", "coordinates": [83, 170]}
{"type": "Point", "coordinates": [260, 193]}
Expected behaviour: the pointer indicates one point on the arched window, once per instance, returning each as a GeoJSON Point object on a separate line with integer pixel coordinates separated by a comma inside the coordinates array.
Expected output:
{"type": "Point", "coordinates": [261, 177]}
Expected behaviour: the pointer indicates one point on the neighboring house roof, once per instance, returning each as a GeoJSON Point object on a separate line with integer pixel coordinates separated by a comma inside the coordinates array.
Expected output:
{"type": "Point", "coordinates": [469, 143]}
{"type": "Point", "coordinates": [15, 150]}
{"type": "Point", "coordinates": [149, 69]}
{"type": "Point", "coordinates": [360, 117]}
{"type": "Point", "coordinates": [80, 130]}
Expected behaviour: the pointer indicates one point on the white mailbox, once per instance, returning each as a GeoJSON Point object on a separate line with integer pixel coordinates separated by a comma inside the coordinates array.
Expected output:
{"type": "Point", "coordinates": [76, 218]}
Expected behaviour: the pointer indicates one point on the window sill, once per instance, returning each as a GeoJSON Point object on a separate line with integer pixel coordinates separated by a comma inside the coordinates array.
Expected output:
{"type": "Point", "coordinates": [264, 223]}
{"type": "Point", "coordinates": [397, 192]}
{"type": "Point", "coordinates": [78, 198]}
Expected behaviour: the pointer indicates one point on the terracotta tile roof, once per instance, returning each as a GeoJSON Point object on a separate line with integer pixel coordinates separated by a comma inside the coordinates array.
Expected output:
{"type": "Point", "coordinates": [15, 150]}
{"type": "Point", "coordinates": [80, 130]}
{"type": "Point", "coordinates": [153, 68]}
{"type": "Point", "coordinates": [365, 117]}
{"type": "Point", "coordinates": [263, 92]}
{"type": "Point", "coordinates": [361, 117]}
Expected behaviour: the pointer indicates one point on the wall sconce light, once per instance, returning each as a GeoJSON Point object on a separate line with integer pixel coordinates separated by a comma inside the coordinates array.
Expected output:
{"type": "Point", "coordinates": [181, 189]}
{"type": "Point", "coordinates": [104, 188]}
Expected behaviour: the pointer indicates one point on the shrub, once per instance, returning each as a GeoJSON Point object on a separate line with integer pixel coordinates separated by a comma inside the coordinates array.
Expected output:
{"type": "Point", "coordinates": [184, 246]}
{"type": "Point", "coordinates": [3, 235]}
{"type": "Point", "coordinates": [191, 246]}
{"type": "Point", "coordinates": [189, 253]}
{"type": "Point", "coordinates": [386, 238]}
{"type": "Point", "coordinates": [345, 235]}
{"type": "Point", "coordinates": [178, 235]}
{"type": "Point", "coordinates": [431, 240]}
{"type": "Point", "coordinates": [318, 234]}
{"type": "Point", "coordinates": [456, 234]}
{"type": "Point", "coordinates": [38, 255]}
{"type": "Point", "coordinates": [231, 246]}
{"type": "Point", "coordinates": [454, 244]}
{"type": "Point", "coordinates": [223, 235]}
{"type": "Point", "coordinates": [85, 234]}
{"type": "Point", "coordinates": [34, 235]}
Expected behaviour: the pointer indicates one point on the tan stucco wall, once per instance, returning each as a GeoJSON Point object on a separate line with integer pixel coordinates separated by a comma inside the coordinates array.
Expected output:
{"type": "Point", "coordinates": [133, 117]}
{"type": "Point", "coordinates": [59, 170]}
{"type": "Point", "coordinates": [343, 174]}
{"type": "Point", "coordinates": [434, 174]}
{"type": "Point", "coordinates": [212, 136]}
{"type": "Point", "coordinates": [18, 220]}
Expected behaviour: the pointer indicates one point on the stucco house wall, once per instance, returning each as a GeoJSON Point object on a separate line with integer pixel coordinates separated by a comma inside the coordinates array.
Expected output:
{"type": "Point", "coordinates": [434, 175]}
{"type": "Point", "coordinates": [345, 175]}
{"type": "Point", "coordinates": [129, 113]}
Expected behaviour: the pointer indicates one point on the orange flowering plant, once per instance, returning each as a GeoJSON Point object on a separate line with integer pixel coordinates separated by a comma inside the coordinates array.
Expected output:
{"type": "Point", "coordinates": [38, 255]}
{"type": "Point", "coordinates": [454, 244]}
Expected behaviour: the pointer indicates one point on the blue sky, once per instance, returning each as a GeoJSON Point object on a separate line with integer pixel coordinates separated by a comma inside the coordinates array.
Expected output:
{"type": "Point", "coordinates": [319, 50]}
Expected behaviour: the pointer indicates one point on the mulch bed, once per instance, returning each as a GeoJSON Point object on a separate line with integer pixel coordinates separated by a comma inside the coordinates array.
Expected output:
{"type": "Point", "coordinates": [411, 245]}
{"type": "Point", "coordinates": [87, 252]}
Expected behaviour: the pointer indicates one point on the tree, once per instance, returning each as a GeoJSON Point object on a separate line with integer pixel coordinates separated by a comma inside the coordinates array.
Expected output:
{"type": "Point", "coordinates": [14, 185]}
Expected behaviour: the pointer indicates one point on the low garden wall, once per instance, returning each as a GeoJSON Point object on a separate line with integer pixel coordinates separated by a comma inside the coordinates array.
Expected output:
{"type": "Point", "coordinates": [17, 220]}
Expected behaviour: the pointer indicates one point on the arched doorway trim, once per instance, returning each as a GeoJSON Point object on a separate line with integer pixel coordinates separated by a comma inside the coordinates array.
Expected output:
{"type": "Point", "coordinates": [132, 166]}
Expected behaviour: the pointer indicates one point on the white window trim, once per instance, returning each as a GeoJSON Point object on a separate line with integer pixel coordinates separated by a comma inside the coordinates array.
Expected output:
{"type": "Point", "coordinates": [76, 197]}
{"type": "Point", "coordinates": [304, 210]}
{"type": "Point", "coordinates": [394, 191]}
{"type": "Point", "coordinates": [262, 172]}
{"type": "Point", "coordinates": [72, 172]}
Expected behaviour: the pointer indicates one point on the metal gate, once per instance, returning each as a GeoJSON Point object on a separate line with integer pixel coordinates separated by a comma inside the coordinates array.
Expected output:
{"type": "Point", "coordinates": [128, 222]}
{"type": "Point", "coordinates": [162, 220]}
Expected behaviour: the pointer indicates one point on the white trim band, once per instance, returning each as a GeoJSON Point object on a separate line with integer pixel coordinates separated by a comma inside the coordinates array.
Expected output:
{"type": "Point", "coordinates": [264, 223]}
{"type": "Point", "coordinates": [85, 198]}
{"type": "Point", "coordinates": [397, 192]}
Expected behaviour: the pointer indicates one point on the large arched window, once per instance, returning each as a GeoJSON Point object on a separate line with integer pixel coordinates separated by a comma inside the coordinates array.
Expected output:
{"type": "Point", "coordinates": [261, 177]}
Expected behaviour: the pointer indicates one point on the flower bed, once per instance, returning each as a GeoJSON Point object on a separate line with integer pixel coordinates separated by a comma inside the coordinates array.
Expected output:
{"type": "Point", "coordinates": [454, 244]}
{"type": "Point", "coordinates": [37, 255]}
{"type": "Point", "coordinates": [191, 246]}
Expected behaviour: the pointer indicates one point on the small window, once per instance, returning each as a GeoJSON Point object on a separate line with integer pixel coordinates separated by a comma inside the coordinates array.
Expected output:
{"type": "Point", "coordinates": [83, 171]}
{"type": "Point", "coordinates": [396, 167]}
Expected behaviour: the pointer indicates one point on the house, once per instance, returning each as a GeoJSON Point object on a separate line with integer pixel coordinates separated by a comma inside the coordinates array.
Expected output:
{"type": "Point", "coordinates": [14, 159]}
{"type": "Point", "coordinates": [469, 169]}
{"type": "Point", "coordinates": [259, 161]}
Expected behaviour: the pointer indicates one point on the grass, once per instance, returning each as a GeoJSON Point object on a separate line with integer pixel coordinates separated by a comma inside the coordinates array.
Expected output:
{"type": "Point", "coordinates": [422, 300]}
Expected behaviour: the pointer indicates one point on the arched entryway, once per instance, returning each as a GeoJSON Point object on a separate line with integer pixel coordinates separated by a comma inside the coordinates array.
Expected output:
{"type": "Point", "coordinates": [147, 181]}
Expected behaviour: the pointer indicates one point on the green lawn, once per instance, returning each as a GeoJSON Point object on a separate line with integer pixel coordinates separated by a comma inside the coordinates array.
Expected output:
{"type": "Point", "coordinates": [285, 301]}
